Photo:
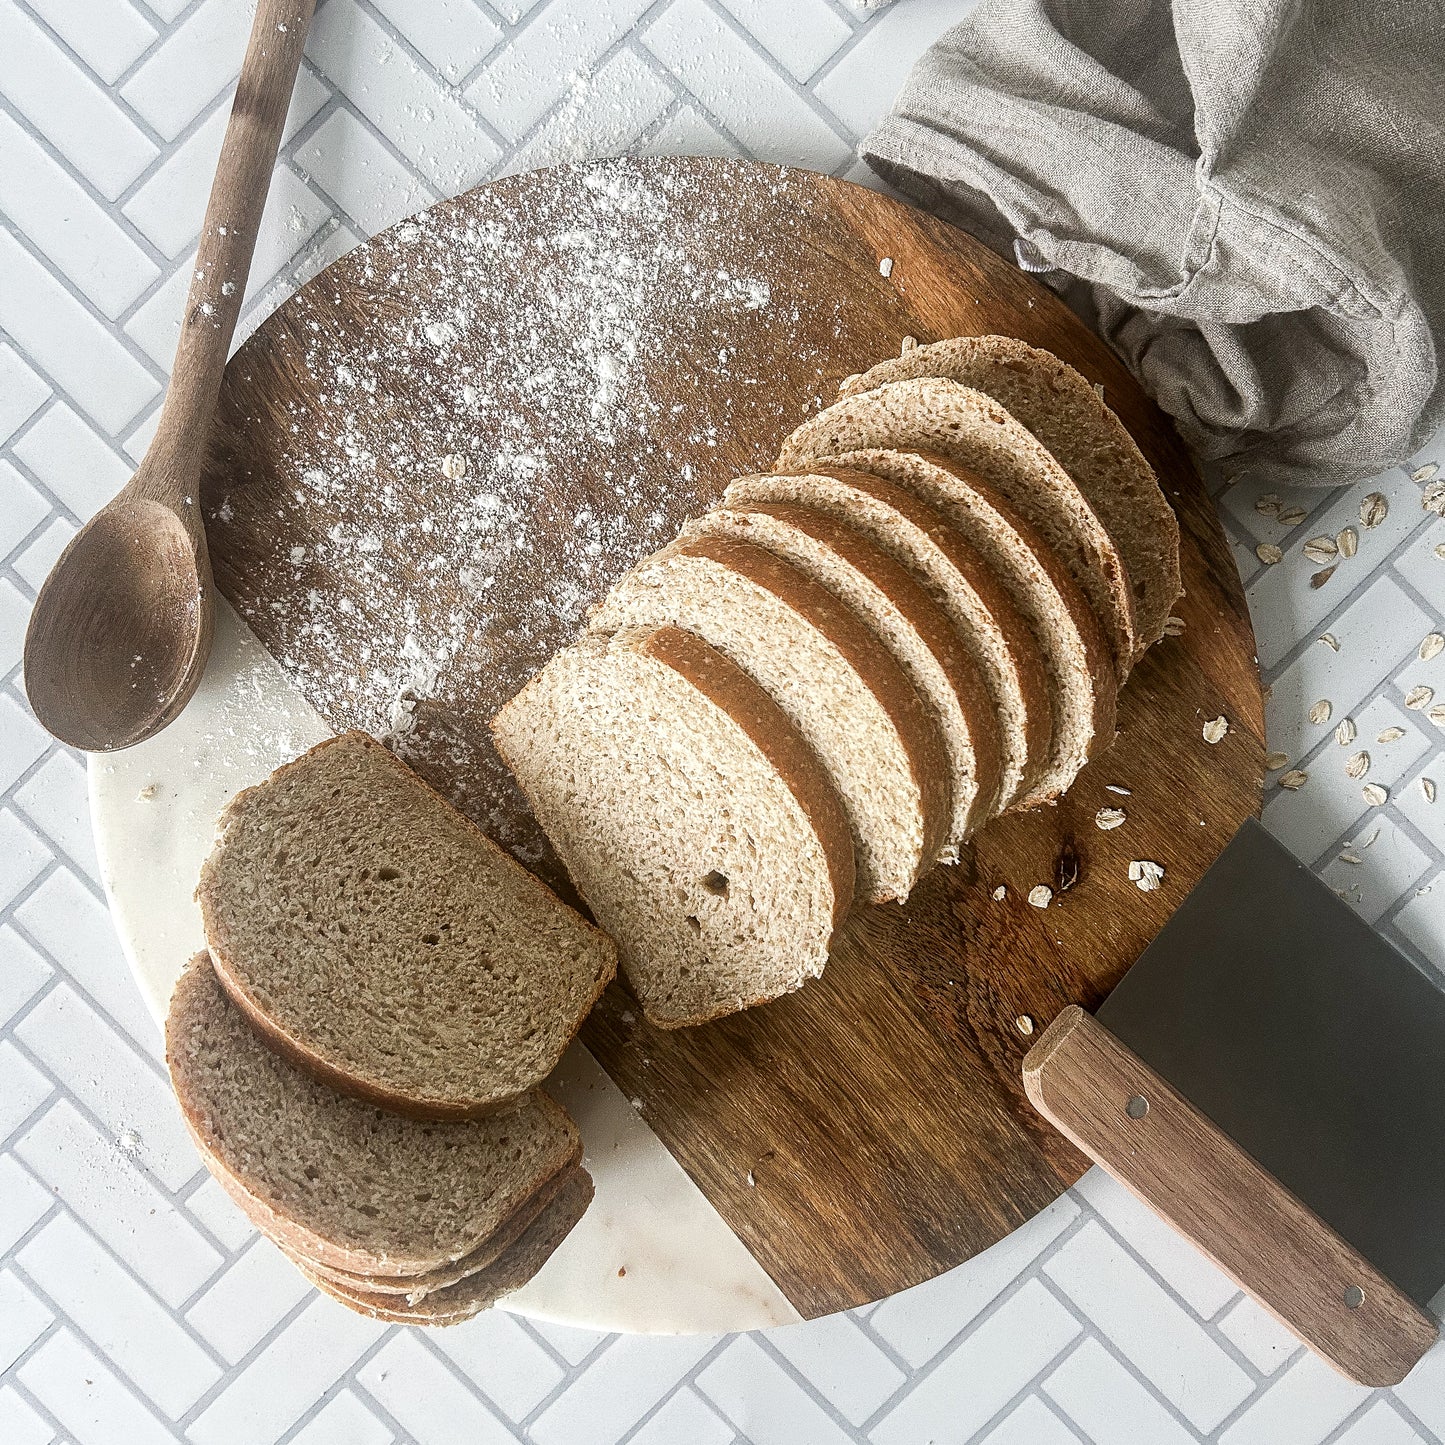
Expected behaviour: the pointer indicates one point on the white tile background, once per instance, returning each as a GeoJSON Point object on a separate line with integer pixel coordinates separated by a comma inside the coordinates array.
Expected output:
{"type": "Point", "coordinates": [135, 1303]}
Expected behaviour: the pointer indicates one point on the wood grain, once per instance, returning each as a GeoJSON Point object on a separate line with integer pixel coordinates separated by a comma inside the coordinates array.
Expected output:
{"type": "Point", "coordinates": [1193, 1175]}
{"type": "Point", "coordinates": [871, 1131]}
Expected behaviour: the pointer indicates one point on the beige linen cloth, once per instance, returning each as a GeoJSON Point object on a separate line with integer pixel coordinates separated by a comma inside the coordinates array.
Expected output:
{"type": "Point", "coordinates": [1247, 197]}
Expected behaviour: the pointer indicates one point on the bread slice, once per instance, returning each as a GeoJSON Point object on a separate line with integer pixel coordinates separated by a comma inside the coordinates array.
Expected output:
{"type": "Point", "coordinates": [822, 664]}
{"type": "Point", "coordinates": [468, 1296]}
{"type": "Point", "coordinates": [1062, 409]}
{"type": "Point", "coordinates": [965, 426]}
{"type": "Point", "coordinates": [914, 628]}
{"type": "Point", "coordinates": [1083, 685]}
{"type": "Point", "coordinates": [339, 1180]}
{"type": "Point", "coordinates": [375, 935]}
{"type": "Point", "coordinates": [978, 608]}
{"type": "Point", "coordinates": [695, 821]}
{"type": "Point", "coordinates": [414, 1286]}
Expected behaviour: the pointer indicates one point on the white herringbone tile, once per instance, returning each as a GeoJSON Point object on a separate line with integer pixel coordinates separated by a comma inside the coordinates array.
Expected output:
{"type": "Point", "coordinates": [278, 1386]}
{"type": "Point", "coordinates": [426, 1399]}
{"type": "Point", "coordinates": [1108, 1403]}
{"type": "Point", "coordinates": [70, 227]}
{"type": "Point", "coordinates": [23, 1319]}
{"type": "Point", "coordinates": [80, 1389]}
{"type": "Point", "coordinates": [108, 35]}
{"type": "Point", "coordinates": [136, 1301]}
{"type": "Point", "coordinates": [984, 1371]}
{"type": "Point", "coordinates": [629, 1378]}
{"type": "Point", "coordinates": [1152, 1331]}
{"type": "Point", "coordinates": [69, 108]}
{"type": "Point", "coordinates": [119, 1316]}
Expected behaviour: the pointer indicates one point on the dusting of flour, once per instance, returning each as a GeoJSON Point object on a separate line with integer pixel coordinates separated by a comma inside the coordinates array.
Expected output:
{"type": "Point", "coordinates": [485, 416]}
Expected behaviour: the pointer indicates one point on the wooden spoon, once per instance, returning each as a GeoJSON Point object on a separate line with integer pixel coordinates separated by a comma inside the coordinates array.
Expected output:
{"type": "Point", "coordinates": [122, 627]}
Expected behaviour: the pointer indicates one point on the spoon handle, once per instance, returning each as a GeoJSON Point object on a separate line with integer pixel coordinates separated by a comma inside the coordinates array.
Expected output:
{"type": "Point", "coordinates": [228, 237]}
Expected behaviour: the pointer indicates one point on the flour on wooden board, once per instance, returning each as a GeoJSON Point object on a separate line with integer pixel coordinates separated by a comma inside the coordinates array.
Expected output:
{"type": "Point", "coordinates": [519, 410]}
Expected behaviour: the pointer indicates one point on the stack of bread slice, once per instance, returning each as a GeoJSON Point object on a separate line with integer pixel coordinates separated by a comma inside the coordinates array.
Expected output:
{"type": "Point", "coordinates": [827, 683]}
{"type": "Point", "coordinates": [359, 1056]}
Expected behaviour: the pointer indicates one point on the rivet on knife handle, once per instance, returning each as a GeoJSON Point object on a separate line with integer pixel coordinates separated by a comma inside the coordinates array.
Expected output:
{"type": "Point", "coordinates": [1125, 1117]}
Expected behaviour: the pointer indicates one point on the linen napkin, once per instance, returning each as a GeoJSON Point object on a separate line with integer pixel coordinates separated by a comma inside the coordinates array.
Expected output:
{"type": "Point", "coordinates": [1247, 197]}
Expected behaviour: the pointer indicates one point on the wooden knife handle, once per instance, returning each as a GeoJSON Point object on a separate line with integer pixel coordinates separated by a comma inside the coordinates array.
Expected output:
{"type": "Point", "coordinates": [1114, 1107]}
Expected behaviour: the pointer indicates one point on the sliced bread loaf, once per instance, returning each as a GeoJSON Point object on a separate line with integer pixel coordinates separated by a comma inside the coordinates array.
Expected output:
{"type": "Point", "coordinates": [375, 935]}
{"type": "Point", "coordinates": [838, 684]}
{"type": "Point", "coordinates": [339, 1180]}
{"type": "Point", "coordinates": [982, 615]}
{"type": "Point", "coordinates": [1062, 409]}
{"type": "Point", "coordinates": [914, 628]}
{"type": "Point", "coordinates": [693, 818]}
{"type": "Point", "coordinates": [964, 425]}
{"type": "Point", "coordinates": [452, 1303]}
{"type": "Point", "coordinates": [1082, 682]}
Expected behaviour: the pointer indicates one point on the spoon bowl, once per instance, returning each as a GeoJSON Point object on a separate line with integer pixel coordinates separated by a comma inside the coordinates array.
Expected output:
{"type": "Point", "coordinates": [121, 629]}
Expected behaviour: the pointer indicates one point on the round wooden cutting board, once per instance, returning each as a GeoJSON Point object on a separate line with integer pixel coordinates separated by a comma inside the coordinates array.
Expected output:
{"type": "Point", "coordinates": [437, 455]}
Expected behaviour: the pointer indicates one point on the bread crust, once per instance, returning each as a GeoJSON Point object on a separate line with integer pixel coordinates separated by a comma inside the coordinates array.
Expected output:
{"type": "Point", "coordinates": [1018, 636]}
{"type": "Point", "coordinates": [297, 1236]}
{"type": "Point", "coordinates": [1102, 574]}
{"type": "Point", "coordinates": [292, 1045]}
{"type": "Point", "coordinates": [453, 1303]}
{"type": "Point", "coordinates": [917, 730]}
{"type": "Point", "coordinates": [1097, 655]}
{"type": "Point", "coordinates": [922, 614]}
{"type": "Point", "coordinates": [996, 364]}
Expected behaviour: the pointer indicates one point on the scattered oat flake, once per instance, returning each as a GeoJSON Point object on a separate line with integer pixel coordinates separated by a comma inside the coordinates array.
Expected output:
{"type": "Point", "coordinates": [1173, 627]}
{"type": "Point", "coordinates": [1348, 857]}
{"type": "Point", "coordinates": [147, 793]}
{"type": "Point", "coordinates": [1440, 550]}
{"type": "Point", "coordinates": [1345, 732]}
{"type": "Point", "coordinates": [1432, 499]}
{"type": "Point", "coordinates": [1268, 553]}
{"type": "Point", "coordinates": [1330, 640]}
{"type": "Point", "coordinates": [1419, 697]}
{"type": "Point", "coordinates": [1375, 795]}
{"type": "Point", "coordinates": [1215, 729]}
{"type": "Point", "coordinates": [1320, 712]}
{"type": "Point", "coordinates": [1391, 735]}
{"type": "Point", "coordinates": [1119, 788]}
{"type": "Point", "coordinates": [1348, 541]}
{"type": "Point", "coordinates": [1273, 762]}
{"type": "Point", "coordinates": [1358, 765]}
{"type": "Point", "coordinates": [1427, 786]}
{"type": "Point", "coordinates": [1109, 818]}
{"type": "Point", "coordinates": [1318, 579]}
{"type": "Point", "coordinates": [1294, 780]}
{"type": "Point", "coordinates": [1372, 839]}
{"type": "Point", "coordinates": [1437, 714]}
{"type": "Point", "coordinates": [1145, 876]}
{"type": "Point", "coordinates": [1320, 549]}
{"type": "Point", "coordinates": [1000, 893]}
{"type": "Point", "coordinates": [1431, 645]}
{"type": "Point", "coordinates": [1024, 1024]}
{"type": "Point", "coordinates": [1268, 504]}
{"type": "Point", "coordinates": [885, 267]}
{"type": "Point", "coordinates": [1041, 895]}
{"type": "Point", "coordinates": [1423, 474]}
{"type": "Point", "coordinates": [1292, 516]}
{"type": "Point", "coordinates": [454, 466]}
{"type": "Point", "coordinates": [1374, 508]}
